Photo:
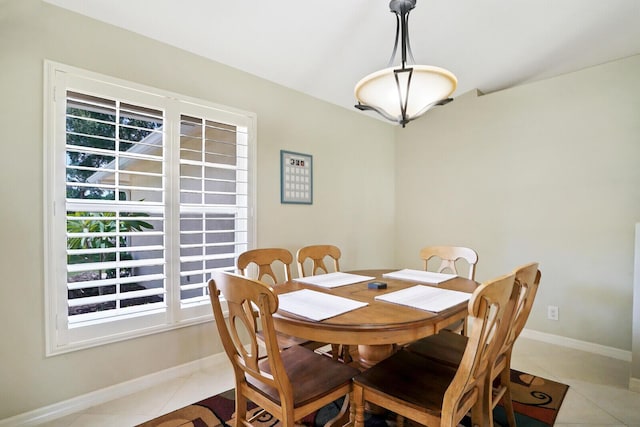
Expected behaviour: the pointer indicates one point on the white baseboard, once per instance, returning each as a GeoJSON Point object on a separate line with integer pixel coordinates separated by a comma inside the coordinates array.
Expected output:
{"type": "Point", "coordinates": [590, 347]}
{"type": "Point", "coordinates": [85, 401]}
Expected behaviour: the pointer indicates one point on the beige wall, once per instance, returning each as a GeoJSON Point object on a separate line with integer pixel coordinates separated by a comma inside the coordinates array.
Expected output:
{"type": "Point", "coordinates": [548, 172]}
{"type": "Point", "coordinates": [345, 146]}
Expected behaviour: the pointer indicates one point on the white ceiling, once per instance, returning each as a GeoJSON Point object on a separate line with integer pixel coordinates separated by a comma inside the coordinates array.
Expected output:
{"type": "Point", "coordinates": [323, 47]}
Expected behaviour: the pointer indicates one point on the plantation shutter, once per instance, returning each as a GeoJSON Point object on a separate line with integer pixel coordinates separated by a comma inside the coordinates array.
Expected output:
{"type": "Point", "coordinates": [114, 208]}
{"type": "Point", "coordinates": [213, 201]}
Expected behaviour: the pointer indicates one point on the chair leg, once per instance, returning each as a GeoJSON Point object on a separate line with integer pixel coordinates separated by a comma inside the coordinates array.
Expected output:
{"type": "Point", "coordinates": [481, 412]}
{"type": "Point", "coordinates": [346, 354]}
{"type": "Point", "coordinates": [487, 401]}
{"type": "Point", "coordinates": [287, 418]}
{"type": "Point", "coordinates": [241, 409]}
{"type": "Point", "coordinates": [340, 351]}
{"type": "Point", "coordinates": [358, 402]}
{"type": "Point", "coordinates": [352, 410]}
{"type": "Point", "coordinates": [507, 402]}
{"type": "Point", "coordinates": [335, 352]}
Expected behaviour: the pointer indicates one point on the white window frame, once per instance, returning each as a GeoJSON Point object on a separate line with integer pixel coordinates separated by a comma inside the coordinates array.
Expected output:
{"type": "Point", "coordinates": [58, 78]}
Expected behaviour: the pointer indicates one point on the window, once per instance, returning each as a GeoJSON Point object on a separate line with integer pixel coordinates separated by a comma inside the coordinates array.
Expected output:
{"type": "Point", "coordinates": [147, 193]}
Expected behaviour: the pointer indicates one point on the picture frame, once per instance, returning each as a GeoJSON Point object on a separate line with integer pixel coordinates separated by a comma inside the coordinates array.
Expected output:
{"type": "Point", "coordinates": [296, 178]}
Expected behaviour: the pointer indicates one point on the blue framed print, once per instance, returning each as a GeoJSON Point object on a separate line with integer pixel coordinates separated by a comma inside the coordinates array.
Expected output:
{"type": "Point", "coordinates": [296, 178]}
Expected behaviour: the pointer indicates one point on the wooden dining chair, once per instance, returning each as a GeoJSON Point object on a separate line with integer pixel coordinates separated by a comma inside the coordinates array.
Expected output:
{"type": "Point", "coordinates": [436, 394]}
{"type": "Point", "coordinates": [315, 255]}
{"type": "Point", "coordinates": [264, 259]}
{"type": "Point", "coordinates": [448, 256]}
{"type": "Point", "coordinates": [447, 347]}
{"type": "Point", "coordinates": [289, 383]}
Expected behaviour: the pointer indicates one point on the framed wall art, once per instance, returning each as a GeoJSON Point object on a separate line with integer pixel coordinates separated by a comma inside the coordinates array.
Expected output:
{"type": "Point", "coordinates": [296, 178]}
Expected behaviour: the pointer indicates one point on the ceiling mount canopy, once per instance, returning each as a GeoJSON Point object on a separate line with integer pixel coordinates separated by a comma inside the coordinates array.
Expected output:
{"type": "Point", "coordinates": [404, 93]}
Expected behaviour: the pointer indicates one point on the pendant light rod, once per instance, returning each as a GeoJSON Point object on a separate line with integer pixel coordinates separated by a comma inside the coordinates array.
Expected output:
{"type": "Point", "coordinates": [401, 8]}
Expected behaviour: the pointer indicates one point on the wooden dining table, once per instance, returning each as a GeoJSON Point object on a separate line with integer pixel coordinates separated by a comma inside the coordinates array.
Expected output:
{"type": "Point", "coordinates": [378, 327]}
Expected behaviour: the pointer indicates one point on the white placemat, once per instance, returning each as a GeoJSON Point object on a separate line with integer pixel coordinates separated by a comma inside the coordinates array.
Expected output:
{"type": "Point", "coordinates": [316, 305]}
{"type": "Point", "coordinates": [426, 298]}
{"type": "Point", "coordinates": [333, 280]}
{"type": "Point", "coordinates": [419, 276]}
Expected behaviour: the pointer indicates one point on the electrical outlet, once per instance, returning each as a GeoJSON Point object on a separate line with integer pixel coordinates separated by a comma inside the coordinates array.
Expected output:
{"type": "Point", "coordinates": [552, 312]}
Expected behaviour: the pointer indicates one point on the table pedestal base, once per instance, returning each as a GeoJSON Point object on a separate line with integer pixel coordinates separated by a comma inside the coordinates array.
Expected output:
{"type": "Point", "coordinates": [369, 355]}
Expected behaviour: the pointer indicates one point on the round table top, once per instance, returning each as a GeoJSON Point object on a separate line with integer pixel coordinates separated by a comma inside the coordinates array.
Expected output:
{"type": "Point", "coordinates": [379, 322]}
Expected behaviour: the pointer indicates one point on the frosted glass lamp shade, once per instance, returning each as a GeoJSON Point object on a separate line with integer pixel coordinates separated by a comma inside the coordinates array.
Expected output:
{"type": "Point", "coordinates": [428, 85]}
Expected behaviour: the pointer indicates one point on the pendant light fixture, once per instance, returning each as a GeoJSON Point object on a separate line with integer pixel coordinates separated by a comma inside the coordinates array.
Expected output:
{"type": "Point", "coordinates": [404, 93]}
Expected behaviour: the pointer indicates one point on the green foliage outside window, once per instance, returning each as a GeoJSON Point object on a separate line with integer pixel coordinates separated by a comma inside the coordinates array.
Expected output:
{"type": "Point", "coordinates": [104, 222]}
{"type": "Point", "coordinates": [101, 222]}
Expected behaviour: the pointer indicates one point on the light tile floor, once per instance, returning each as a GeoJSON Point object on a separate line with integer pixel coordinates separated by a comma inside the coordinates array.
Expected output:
{"type": "Point", "coordinates": [598, 394]}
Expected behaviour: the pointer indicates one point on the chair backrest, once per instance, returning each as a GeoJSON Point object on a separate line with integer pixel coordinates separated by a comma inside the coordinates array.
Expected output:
{"type": "Point", "coordinates": [528, 276]}
{"type": "Point", "coordinates": [241, 294]}
{"type": "Point", "coordinates": [317, 254]}
{"type": "Point", "coordinates": [449, 255]}
{"type": "Point", "coordinates": [490, 309]}
{"type": "Point", "coordinates": [264, 259]}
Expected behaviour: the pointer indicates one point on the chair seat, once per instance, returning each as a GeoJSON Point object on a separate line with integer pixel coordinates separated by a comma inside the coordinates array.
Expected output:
{"type": "Point", "coordinates": [446, 347]}
{"type": "Point", "coordinates": [410, 378]}
{"type": "Point", "coordinates": [310, 374]}
{"type": "Point", "coordinates": [284, 340]}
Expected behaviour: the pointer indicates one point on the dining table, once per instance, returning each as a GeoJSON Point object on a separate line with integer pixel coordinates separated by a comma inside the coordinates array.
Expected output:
{"type": "Point", "coordinates": [380, 326]}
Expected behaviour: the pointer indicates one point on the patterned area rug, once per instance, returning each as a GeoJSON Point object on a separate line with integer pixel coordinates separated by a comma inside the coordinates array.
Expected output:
{"type": "Point", "coordinates": [536, 402]}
